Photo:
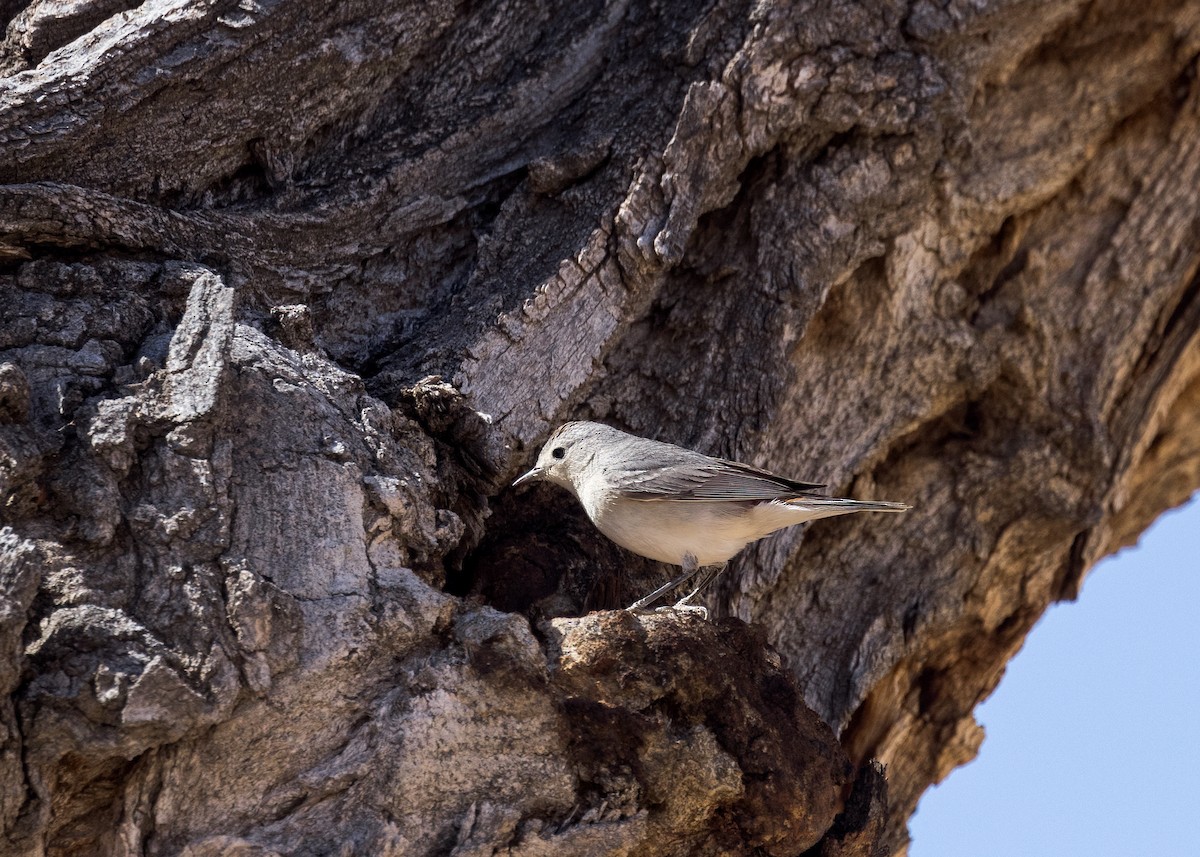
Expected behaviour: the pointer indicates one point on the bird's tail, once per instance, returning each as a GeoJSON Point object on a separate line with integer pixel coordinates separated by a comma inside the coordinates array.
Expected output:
{"type": "Point", "coordinates": [829, 506]}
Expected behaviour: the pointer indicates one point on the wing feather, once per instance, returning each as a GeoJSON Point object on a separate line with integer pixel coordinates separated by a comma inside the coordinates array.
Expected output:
{"type": "Point", "coordinates": [699, 478]}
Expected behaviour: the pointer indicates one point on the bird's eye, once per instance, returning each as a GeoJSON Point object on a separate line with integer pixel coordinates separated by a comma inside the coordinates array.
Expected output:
{"type": "Point", "coordinates": [558, 452]}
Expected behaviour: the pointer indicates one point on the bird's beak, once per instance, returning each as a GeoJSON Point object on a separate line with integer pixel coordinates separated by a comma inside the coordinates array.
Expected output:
{"type": "Point", "coordinates": [536, 473]}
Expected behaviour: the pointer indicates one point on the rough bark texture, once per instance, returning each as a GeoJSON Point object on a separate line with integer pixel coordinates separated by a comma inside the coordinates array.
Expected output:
{"type": "Point", "coordinates": [290, 291]}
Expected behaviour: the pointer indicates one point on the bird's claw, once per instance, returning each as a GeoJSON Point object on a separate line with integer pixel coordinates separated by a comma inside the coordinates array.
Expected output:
{"type": "Point", "coordinates": [681, 607]}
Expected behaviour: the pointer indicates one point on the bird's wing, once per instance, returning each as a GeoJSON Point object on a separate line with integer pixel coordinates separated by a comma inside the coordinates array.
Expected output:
{"type": "Point", "coordinates": [696, 477]}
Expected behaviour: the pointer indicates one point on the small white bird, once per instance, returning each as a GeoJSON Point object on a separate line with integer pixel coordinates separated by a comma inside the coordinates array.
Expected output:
{"type": "Point", "coordinates": [675, 505]}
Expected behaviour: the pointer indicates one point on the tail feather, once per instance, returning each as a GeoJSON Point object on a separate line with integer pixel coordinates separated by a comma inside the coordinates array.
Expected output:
{"type": "Point", "coordinates": [836, 505]}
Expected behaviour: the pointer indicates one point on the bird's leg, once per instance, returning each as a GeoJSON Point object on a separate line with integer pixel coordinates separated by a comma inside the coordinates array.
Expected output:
{"type": "Point", "coordinates": [690, 567]}
{"type": "Point", "coordinates": [705, 580]}
{"type": "Point", "coordinates": [682, 604]}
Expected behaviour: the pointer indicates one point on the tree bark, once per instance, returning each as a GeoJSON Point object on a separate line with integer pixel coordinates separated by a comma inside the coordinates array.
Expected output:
{"type": "Point", "coordinates": [291, 291]}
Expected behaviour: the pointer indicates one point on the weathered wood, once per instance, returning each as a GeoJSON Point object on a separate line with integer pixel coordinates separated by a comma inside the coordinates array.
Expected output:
{"type": "Point", "coordinates": [291, 291]}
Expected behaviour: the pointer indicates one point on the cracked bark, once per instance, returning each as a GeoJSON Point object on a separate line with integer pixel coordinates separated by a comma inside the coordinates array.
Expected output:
{"type": "Point", "coordinates": [289, 292]}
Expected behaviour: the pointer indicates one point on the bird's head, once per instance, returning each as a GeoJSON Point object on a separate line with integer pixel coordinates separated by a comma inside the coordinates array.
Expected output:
{"type": "Point", "coordinates": [565, 454]}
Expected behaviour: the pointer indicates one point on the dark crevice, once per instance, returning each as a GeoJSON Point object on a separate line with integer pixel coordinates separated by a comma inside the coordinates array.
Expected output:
{"type": "Point", "coordinates": [933, 700]}
{"type": "Point", "coordinates": [1157, 361]}
{"type": "Point", "coordinates": [249, 183]}
{"type": "Point", "coordinates": [1070, 578]}
{"type": "Point", "coordinates": [996, 263]}
{"type": "Point", "coordinates": [540, 555]}
{"type": "Point", "coordinates": [839, 140]}
{"type": "Point", "coordinates": [96, 807]}
{"type": "Point", "coordinates": [856, 828]}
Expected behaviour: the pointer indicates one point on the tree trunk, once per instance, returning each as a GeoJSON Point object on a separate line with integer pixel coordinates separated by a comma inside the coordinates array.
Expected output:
{"type": "Point", "coordinates": [292, 291]}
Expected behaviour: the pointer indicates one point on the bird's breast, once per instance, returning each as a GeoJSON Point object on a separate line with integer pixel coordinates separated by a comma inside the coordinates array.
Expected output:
{"type": "Point", "coordinates": [668, 530]}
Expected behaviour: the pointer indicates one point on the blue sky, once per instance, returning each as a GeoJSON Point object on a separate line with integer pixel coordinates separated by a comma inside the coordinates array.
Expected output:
{"type": "Point", "coordinates": [1093, 736]}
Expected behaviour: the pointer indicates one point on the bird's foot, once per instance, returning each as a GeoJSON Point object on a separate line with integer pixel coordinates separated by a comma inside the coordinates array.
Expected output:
{"type": "Point", "coordinates": [682, 607]}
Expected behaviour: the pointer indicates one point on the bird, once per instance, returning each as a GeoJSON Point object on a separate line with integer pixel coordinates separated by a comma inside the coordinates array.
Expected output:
{"type": "Point", "coordinates": [678, 506]}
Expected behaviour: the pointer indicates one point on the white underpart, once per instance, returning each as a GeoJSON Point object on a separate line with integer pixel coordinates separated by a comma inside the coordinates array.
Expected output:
{"type": "Point", "coordinates": [712, 531]}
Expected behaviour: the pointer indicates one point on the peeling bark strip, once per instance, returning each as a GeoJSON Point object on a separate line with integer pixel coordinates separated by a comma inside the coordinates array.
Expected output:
{"type": "Point", "coordinates": [290, 290]}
